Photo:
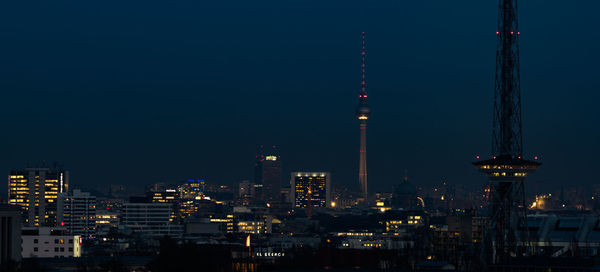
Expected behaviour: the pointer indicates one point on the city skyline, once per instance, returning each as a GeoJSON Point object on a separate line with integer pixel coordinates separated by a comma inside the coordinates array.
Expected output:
{"type": "Point", "coordinates": [131, 118]}
{"type": "Point", "coordinates": [218, 136]}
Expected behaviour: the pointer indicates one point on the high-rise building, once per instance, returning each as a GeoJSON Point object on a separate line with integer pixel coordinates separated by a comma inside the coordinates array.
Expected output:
{"type": "Point", "coordinates": [36, 191]}
{"type": "Point", "coordinates": [10, 234]}
{"type": "Point", "coordinates": [77, 213]}
{"type": "Point", "coordinates": [310, 187]}
{"type": "Point", "coordinates": [363, 111]}
{"type": "Point", "coordinates": [192, 189]}
{"type": "Point", "coordinates": [267, 172]}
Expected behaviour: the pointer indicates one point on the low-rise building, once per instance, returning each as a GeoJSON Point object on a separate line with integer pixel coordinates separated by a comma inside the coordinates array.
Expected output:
{"type": "Point", "coordinates": [202, 226]}
{"type": "Point", "coordinates": [226, 223]}
{"type": "Point", "coordinates": [370, 240]}
{"type": "Point", "coordinates": [47, 242]}
{"type": "Point", "coordinates": [286, 241]}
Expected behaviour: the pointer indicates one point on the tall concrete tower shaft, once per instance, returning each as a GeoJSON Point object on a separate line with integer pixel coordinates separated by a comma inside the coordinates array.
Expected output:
{"type": "Point", "coordinates": [507, 169]}
{"type": "Point", "coordinates": [362, 113]}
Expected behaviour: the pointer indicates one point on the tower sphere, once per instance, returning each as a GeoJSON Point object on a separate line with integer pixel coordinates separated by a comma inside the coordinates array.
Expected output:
{"type": "Point", "coordinates": [363, 111]}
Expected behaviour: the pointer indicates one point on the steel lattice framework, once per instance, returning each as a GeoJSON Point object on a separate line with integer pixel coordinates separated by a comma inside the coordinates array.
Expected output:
{"type": "Point", "coordinates": [507, 234]}
{"type": "Point", "coordinates": [507, 133]}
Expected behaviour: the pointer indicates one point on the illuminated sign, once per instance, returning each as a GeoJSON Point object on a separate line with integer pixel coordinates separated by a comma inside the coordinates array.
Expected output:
{"type": "Point", "coordinates": [271, 158]}
{"type": "Point", "coordinates": [270, 254]}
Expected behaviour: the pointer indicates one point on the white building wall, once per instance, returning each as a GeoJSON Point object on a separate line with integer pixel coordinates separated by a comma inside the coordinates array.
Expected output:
{"type": "Point", "coordinates": [46, 245]}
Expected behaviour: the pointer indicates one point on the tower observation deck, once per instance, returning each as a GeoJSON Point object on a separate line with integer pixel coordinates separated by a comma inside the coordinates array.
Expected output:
{"type": "Point", "coordinates": [507, 169]}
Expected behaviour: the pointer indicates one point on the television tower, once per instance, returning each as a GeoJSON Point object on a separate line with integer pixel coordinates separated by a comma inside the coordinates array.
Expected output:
{"type": "Point", "coordinates": [362, 113]}
{"type": "Point", "coordinates": [507, 169]}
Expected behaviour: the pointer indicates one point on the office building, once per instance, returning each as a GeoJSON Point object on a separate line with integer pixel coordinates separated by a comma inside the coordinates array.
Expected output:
{"type": "Point", "coordinates": [150, 219]}
{"type": "Point", "coordinates": [252, 227]}
{"type": "Point", "coordinates": [168, 195]}
{"type": "Point", "coordinates": [267, 173]}
{"type": "Point", "coordinates": [192, 189]}
{"type": "Point", "coordinates": [310, 187]}
{"type": "Point", "coordinates": [10, 234]}
{"type": "Point", "coordinates": [77, 213]}
{"type": "Point", "coordinates": [226, 222]}
{"type": "Point", "coordinates": [36, 190]}
{"type": "Point", "coordinates": [105, 221]}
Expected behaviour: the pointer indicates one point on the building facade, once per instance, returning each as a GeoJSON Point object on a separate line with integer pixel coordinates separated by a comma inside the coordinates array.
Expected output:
{"type": "Point", "coordinates": [77, 213]}
{"type": "Point", "coordinates": [105, 221]}
{"type": "Point", "coordinates": [46, 242]}
{"type": "Point", "coordinates": [267, 172]}
{"type": "Point", "coordinates": [167, 195]}
{"type": "Point", "coordinates": [10, 234]}
{"type": "Point", "coordinates": [36, 191]}
{"type": "Point", "coordinates": [244, 189]}
{"type": "Point", "coordinates": [192, 189]}
{"type": "Point", "coordinates": [150, 219]}
{"type": "Point", "coordinates": [310, 187]}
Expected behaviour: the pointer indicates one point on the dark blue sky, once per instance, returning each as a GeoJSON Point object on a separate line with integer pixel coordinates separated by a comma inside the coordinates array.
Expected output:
{"type": "Point", "coordinates": [137, 92]}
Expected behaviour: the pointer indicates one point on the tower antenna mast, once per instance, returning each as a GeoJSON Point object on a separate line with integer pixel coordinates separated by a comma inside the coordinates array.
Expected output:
{"type": "Point", "coordinates": [507, 168]}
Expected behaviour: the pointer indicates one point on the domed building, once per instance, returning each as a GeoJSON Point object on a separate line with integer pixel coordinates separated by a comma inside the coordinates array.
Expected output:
{"type": "Point", "coordinates": [405, 196]}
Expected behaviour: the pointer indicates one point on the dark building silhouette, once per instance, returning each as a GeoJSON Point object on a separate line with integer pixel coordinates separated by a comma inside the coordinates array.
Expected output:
{"type": "Point", "coordinates": [405, 195]}
{"type": "Point", "coordinates": [267, 175]}
{"type": "Point", "coordinates": [10, 234]}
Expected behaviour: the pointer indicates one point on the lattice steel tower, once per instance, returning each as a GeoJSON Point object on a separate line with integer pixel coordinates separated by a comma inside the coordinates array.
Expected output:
{"type": "Point", "coordinates": [362, 113]}
{"type": "Point", "coordinates": [507, 169]}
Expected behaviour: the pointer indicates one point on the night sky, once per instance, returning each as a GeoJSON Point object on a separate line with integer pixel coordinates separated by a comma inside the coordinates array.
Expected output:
{"type": "Point", "coordinates": [137, 92]}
